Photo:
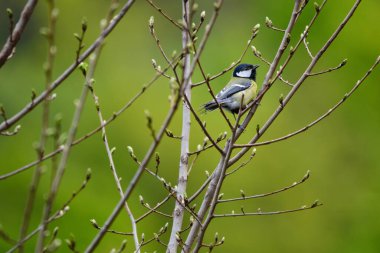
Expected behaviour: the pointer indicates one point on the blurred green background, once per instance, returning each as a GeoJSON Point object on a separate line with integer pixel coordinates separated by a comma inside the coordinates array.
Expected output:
{"type": "Point", "coordinates": [342, 152]}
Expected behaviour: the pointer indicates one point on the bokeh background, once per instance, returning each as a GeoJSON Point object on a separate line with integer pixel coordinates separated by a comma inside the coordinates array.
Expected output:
{"type": "Point", "coordinates": [342, 152]}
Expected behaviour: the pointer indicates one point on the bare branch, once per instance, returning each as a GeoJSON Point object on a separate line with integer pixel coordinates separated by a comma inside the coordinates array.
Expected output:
{"type": "Point", "coordinates": [243, 164]}
{"type": "Point", "coordinates": [306, 43]}
{"type": "Point", "coordinates": [179, 209]}
{"type": "Point", "coordinates": [342, 64]}
{"type": "Point", "coordinates": [10, 45]}
{"type": "Point", "coordinates": [270, 25]}
{"type": "Point", "coordinates": [95, 225]}
{"type": "Point", "coordinates": [214, 143]}
{"type": "Point", "coordinates": [165, 15]}
{"type": "Point", "coordinates": [154, 209]}
{"type": "Point", "coordinates": [259, 55]}
{"type": "Point", "coordinates": [306, 177]}
{"type": "Point", "coordinates": [303, 208]}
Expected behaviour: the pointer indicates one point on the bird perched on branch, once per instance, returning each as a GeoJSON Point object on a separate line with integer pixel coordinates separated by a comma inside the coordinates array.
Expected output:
{"type": "Point", "coordinates": [239, 91]}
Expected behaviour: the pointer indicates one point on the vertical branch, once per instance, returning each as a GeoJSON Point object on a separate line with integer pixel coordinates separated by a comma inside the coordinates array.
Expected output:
{"type": "Point", "coordinates": [267, 81]}
{"type": "Point", "coordinates": [111, 11]}
{"type": "Point", "coordinates": [220, 169]}
{"type": "Point", "coordinates": [179, 209]}
{"type": "Point", "coordinates": [61, 166]}
{"type": "Point", "coordinates": [132, 184]}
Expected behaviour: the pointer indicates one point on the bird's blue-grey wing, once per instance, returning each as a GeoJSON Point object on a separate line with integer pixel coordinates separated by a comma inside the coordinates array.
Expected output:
{"type": "Point", "coordinates": [233, 88]}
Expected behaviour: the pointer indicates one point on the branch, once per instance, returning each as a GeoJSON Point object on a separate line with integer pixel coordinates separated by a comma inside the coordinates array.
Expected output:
{"type": "Point", "coordinates": [270, 25]}
{"type": "Point", "coordinates": [267, 80]}
{"type": "Point", "coordinates": [95, 225]}
{"type": "Point", "coordinates": [212, 193]}
{"type": "Point", "coordinates": [154, 209]}
{"type": "Point", "coordinates": [165, 15]}
{"type": "Point", "coordinates": [243, 197]}
{"type": "Point", "coordinates": [10, 45]}
{"type": "Point", "coordinates": [135, 179]}
{"type": "Point", "coordinates": [36, 101]}
{"type": "Point", "coordinates": [303, 208]}
{"type": "Point", "coordinates": [179, 210]}
{"type": "Point", "coordinates": [342, 64]}
{"type": "Point", "coordinates": [259, 55]}
{"type": "Point", "coordinates": [304, 36]}
{"type": "Point", "coordinates": [214, 143]}
{"type": "Point", "coordinates": [110, 152]}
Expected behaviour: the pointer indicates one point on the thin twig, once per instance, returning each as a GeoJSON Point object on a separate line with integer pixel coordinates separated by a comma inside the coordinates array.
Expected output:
{"type": "Point", "coordinates": [306, 177]}
{"type": "Point", "coordinates": [267, 80]}
{"type": "Point", "coordinates": [243, 164]}
{"type": "Point", "coordinates": [105, 138]}
{"type": "Point", "coordinates": [151, 210]}
{"type": "Point", "coordinates": [95, 225]}
{"type": "Point", "coordinates": [270, 25]}
{"type": "Point", "coordinates": [154, 210]}
{"type": "Point", "coordinates": [259, 55]}
{"type": "Point", "coordinates": [10, 45]}
{"type": "Point", "coordinates": [214, 143]}
{"type": "Point", "coordinates": [303, 208]}
{"type": "Point", "coordinates": [306, 43]}
{"type": "Point", "coordinates": [62, 166]}
{"type": "Point", "coordinates": [165, 15]}
{"type": "Point", "coordinates": [342, 64]}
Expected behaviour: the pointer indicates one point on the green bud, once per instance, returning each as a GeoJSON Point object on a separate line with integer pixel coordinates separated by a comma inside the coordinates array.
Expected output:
{"type": "Point", "coordinates": [9, 13]}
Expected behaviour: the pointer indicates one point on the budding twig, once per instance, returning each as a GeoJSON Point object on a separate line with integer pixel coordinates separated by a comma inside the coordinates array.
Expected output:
{"type": "Point", "coordinates": [305, 177]}
{"type": "Point", "coordinates": [303, 208]}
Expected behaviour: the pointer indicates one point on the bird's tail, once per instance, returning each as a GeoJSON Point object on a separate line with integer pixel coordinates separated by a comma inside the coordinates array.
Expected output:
{"type": "Point", "coordinates": [209, 106]}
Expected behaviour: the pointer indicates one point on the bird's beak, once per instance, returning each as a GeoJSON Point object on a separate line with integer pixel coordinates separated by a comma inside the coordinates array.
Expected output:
{"type": "Point", "coordinates": [256, 66]}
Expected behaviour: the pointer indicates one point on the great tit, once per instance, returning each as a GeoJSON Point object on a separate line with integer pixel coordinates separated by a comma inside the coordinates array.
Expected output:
{"type": "Point", "coordinates": [243, 82]}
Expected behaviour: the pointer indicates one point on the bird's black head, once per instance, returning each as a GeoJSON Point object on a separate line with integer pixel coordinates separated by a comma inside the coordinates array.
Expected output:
{"type": "Point", "coordinates": [246, 71]}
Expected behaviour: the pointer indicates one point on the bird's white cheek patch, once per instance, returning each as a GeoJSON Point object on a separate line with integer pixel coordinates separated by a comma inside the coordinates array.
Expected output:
{"type": "Point", "coordinates": [245, 73]}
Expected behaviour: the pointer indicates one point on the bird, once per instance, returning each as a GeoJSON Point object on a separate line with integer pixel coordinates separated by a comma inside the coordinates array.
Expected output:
{"type": "Point", "coordinates": [242, 83]}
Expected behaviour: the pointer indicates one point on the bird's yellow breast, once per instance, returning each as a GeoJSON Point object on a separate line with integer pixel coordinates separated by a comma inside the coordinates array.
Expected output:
{"type": "Point", "coordinates": [249, 94]}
